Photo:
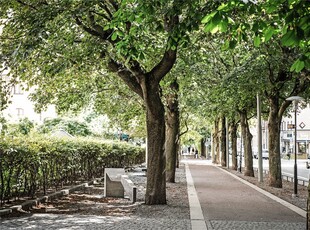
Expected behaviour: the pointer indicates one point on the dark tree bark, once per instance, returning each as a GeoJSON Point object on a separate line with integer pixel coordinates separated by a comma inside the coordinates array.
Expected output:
{"type": "Point", "coordinates": [172, 131]}
{"type": "Point", "coordinates": [223, 142]}
{"type": "Point", "coordinates": [274, 121]}
{"type": "Point", "coordinates": [203, 149]}
{"type": "Point", "coordinates": [216, 143]}
{"type": "Point", "coordinates": [247, 144]}
{"type": "Point", "coordinates": [146, 85]}
{"type": "Point", "coordinates": [233, 137]}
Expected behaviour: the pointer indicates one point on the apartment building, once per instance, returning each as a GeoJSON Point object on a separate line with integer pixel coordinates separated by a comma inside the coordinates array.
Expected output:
{"type": "Point", "coordinates": [287, 133]}
{"type": "Point", "coordinates": [21, 106]}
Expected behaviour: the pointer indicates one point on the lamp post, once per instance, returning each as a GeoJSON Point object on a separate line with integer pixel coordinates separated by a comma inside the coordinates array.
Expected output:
{"type": "Point", "coordinates": [295, 100]}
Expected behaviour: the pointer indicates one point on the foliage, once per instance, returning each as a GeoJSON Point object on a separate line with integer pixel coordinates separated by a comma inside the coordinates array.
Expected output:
{"type": "Point", "coordinates": [3, 124]}
{"type": "Point", "coordinates": [25, 126]}
{"type": "Point", "coordinates": [29, 164]}
{"type": "Point", "coordinates": [280, 19]}
{"type": "Point", "coordinates": [73, 127]}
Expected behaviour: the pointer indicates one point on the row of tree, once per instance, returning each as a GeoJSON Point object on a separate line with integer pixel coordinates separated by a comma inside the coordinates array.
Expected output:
{"type": "Point", "coordinates": [176, 58]}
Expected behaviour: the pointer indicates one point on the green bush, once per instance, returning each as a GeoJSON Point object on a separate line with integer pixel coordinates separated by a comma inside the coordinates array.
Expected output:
{"type": "Point", "coordinates": [29, 164]}
{"type": "Point", "coordinates": [75, 128]}
{"type": "Point", "coordinates": [25, 126]}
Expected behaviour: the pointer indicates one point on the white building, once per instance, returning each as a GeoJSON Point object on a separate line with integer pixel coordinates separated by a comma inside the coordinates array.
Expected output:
{"type": "Point", "coordinates": [21, 107]}
{"type": "Point", "coordinates": [287, 133]}
{"type": "Point", "coordinates": [303, 132]}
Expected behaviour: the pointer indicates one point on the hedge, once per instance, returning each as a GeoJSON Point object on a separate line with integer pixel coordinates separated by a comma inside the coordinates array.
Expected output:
{"type": "Point", "coordinates": [32, 164]}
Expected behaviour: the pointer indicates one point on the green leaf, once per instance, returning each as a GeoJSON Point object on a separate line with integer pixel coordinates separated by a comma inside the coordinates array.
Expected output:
{"type": "Point", "coordinates": [268, 33]}
{"type": "Point", "coordinates": [289, 39]}
{"type": "Point", "coordinates": [215, 29]}
{"type": "Point", "coordinates": [271, 9]}
{"type": "Point", "coordinates": [222, 7]}
{"type": "Point", "coordinates": [257, 41]}
{"type": "Point", "coordinates": [223, 25]}
{"type": "Point", "coordinates": [297, 66]}
{"type": "Point", "coordinates": [217, 18]}
{"type": "Point", "coordinates": [120, 33]}
{"type": "Point", "coordinates": [208, 17]}
{"type": "Point", "coordinates": [114, 36]}
{"type": "Point", "coordinates": [209, 27]}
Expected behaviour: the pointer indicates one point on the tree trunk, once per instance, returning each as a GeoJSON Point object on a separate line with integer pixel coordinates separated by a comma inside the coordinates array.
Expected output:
{"type": "Point", "coordinates": [247, 144]}
{"type": "Point", "coordinates": [233, 137]}
{"type": "Point", "coordinates": [203, 147]}
{"type": "Point", "coordinates": [215, 158]}
{"type": "Point", "coordinates": [274, 121]}
{"type": "Point", "coordinates": [223, 142]}
{"type": "Point", "coordinates": [308, 206]}
{"type": "Point", "coordinates": [172, 132]}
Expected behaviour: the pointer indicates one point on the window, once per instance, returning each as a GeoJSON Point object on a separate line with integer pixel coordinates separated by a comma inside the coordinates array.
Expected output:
{"type": "Point", "coordinates": [18, 89]}
{"type": "Point", "coordinates": [20, 112]}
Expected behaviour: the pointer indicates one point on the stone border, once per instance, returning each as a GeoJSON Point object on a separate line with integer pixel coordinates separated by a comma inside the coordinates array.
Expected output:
{"type": "Point", "coordinates": [196, 215]}
{"type": "Point", "coordinates": [30, 203]}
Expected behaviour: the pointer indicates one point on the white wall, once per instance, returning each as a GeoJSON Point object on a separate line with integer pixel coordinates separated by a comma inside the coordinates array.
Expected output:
{"type": "Point", "coordinates": [21, 107]}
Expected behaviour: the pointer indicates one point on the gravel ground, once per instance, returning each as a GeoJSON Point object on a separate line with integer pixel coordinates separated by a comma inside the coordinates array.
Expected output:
{"type": "Point", "coordinates": [93, 203]}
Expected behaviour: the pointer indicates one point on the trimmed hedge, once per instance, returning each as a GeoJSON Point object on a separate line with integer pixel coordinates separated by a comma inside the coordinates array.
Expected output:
{"type": "Point", "coordinates": [32, 164]}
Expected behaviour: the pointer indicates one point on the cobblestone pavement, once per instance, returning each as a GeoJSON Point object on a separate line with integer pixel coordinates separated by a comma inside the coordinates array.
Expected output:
{"type": "Point", "coordinates": [246, 225]}
{"type": "Point", "coordinates": [121, 215]}
{"type": "Point", "coordinates": [53, 221]}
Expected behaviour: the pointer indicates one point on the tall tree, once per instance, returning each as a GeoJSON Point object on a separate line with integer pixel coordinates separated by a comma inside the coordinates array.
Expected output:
{"type": "Point", "coordinates": [44, 42]}
{"type": "Point", "coordinates": [247, 143]}
{"type": "Point", "coordinates": [172, 131]}
{"type": "Point", "coordinates": [233, 137]}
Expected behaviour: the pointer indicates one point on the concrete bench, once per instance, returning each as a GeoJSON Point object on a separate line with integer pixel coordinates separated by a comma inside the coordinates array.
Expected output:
{"type": "Point", "coordinates": [117, 184]}
{"type": "Point", "coordinates": [129, 188]}
{"type": "Point", "coordinates": [112, 182]}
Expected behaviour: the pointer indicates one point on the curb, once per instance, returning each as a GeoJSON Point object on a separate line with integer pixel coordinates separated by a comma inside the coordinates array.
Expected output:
{"type": "Point", "coordinates": [27, 205]}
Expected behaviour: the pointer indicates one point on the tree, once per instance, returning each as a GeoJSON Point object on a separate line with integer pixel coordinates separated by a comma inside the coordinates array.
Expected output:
{"type": "Point", "coordinates": [45, 43]}
{"type": "Point", "coordinates": [233, 137]}
{"type": "Point", "coordinates": [172, 131]}
{"type": "Point", "coordinates": [286, 20]}
{"type": "Point", "coordinates": [281, 83]}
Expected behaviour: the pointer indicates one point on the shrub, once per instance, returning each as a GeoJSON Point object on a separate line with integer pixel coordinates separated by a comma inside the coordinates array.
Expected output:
{"type": "Point", "coordinates": [29, 164]}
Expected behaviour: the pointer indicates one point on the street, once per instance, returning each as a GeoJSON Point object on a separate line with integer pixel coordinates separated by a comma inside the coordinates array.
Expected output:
{"type": "Point", "coordinates": [287, 167]}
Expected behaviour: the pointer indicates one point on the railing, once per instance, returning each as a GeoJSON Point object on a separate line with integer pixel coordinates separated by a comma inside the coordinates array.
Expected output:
{"type": "Point", "coordinates": [289, 177]}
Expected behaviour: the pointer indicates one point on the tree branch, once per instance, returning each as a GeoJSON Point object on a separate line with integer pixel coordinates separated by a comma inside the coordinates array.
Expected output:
{"type": "Point", "coordinates": [127, 76]}
{"type": "Point", "coordinates": [25, 4]}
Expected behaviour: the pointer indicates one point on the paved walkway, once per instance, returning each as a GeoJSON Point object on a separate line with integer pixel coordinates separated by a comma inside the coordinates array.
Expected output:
{"type": "Point", "coordinates": [228, 203]}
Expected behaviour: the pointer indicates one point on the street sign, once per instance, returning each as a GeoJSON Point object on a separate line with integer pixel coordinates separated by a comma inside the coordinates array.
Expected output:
{"type": "Point", "coordinates": [302, 125]}
{"type": "Point", "coordinates": [290, 126]}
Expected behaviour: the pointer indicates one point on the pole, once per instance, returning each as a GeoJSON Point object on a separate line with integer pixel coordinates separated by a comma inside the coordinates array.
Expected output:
{"type": "Point", "coordinates": [259, 140]}
{"type": "Point", "coordinates": [227, 142]}
{"type": "Point", "coordinates": [240, 156]}
{"type": "Point", "coordinates": [295, 151]}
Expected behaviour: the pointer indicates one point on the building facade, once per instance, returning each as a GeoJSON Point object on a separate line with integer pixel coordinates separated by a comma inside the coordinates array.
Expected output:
{"type": "Point", "coordinates": [21, 106]}
{"type": "Point", "coordinates": [287, 133]}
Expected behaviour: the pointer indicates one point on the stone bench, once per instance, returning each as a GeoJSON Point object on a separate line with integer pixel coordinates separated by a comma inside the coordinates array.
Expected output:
{"type": "Point", "coordinates": [129, 188]}
{"type": "Point", "coordinates": [117, 184]}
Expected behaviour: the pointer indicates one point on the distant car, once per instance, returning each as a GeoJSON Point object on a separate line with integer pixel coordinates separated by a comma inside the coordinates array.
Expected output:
{"type": "Point", "coordinates": [265, 154]}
